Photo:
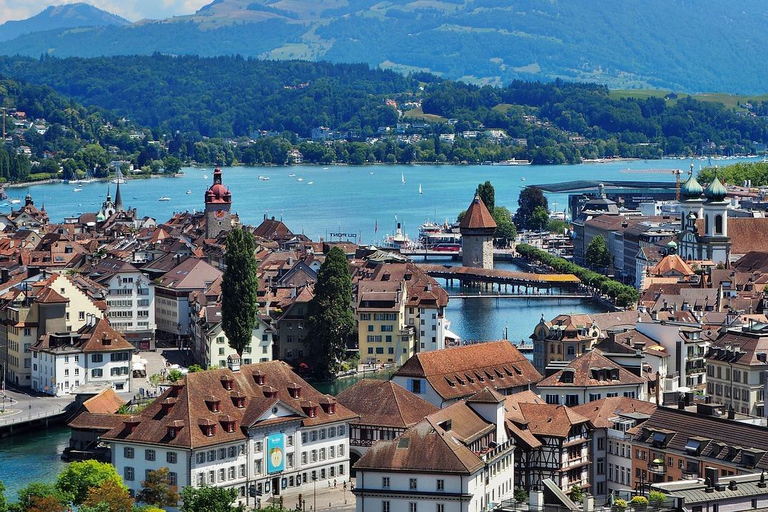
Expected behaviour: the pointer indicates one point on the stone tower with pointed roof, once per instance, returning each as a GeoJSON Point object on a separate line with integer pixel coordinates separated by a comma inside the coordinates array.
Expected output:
{"type": "Point", "coordinates": [477, 229]}
{"type": "Point", "coordinates": [218, 205]}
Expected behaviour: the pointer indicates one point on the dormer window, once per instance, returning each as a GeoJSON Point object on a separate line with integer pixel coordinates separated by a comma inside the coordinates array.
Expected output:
{"type": "Point", "coordinates": [212, 403]}
{"type": "Point", "coordinates": [226, 383]}
{"type": "Point", "coordinates": [208, 427]}
{"type": "Point", "coordinates": [175, 390]}
{"type": "Point", "coordinates": [294, 390]}
{"type": "Point", "coordinates": [328, 404]}
{"type": "Point", "coordinates": [174, 428]}
{"type": "Point", "coordinates": [228, 423]}
{"type": "Point", "coordinates": [259, 377]}
{"type": "Point", "coordinates": [269, 392]}
{"type": "Point", "coordinates": [166, 405]}
{"type": "Point", "coordinates": [309, 408]}
{"type": "Point", "coordinates": [567, 376]}
{"type": "Point", "coordinates": [238, 400]}
{"type": "Point", "coordinates": [131, 423]}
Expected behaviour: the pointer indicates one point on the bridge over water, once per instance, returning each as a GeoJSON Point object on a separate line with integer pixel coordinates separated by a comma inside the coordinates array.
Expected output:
{"type": "Point", "coordinates": [513, 284]}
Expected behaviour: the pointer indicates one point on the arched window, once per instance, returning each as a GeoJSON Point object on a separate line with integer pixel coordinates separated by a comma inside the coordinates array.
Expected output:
{"type": "Point", "coordinates": [718, 224]}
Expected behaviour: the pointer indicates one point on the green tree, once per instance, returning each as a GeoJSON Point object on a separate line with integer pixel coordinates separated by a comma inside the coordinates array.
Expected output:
{"type": "Point", "coordinates": [488, 195]}
{"type": "Point", "coordinates": [175, 375]}
{"type": "Point", "coordinates": [539, 218]}
{"type": "Point", "coordinates": [109, 495]}
{"type": "Point", "coordinates": [521, 495]}
{"type": "Point", "coordinates": [505, 229]}
{"type": "Point", "coordinates": [78, 477]}
{"type": "Point", "coordinates": [171, 164]}
{"type": "Point", "coordinates": [598, 255]}
{"type": "Point", "coordinates": [530, 198]}
{"type": "Point", "coordinates": [239, 303]}
{"type": "Point", "coordinates": [208, 499]}
{"type": "Point", "coordinates": [330, 316]}
{"type": "Point", "coordinates": [156, 490]}
{"type": "Point", "coordinates": [3, 499]}
{"type": "Point", "coordinates": [41, 497]}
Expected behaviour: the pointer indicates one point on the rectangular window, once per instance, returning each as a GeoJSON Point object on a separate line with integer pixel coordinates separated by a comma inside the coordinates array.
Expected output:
{"type": "Point", "coordinates": [412, 483]}
{"type": "Point", "coordinates": [222, 475]}
{"type": "Point", "coordinates": [231, 472]}
{"type": "Point", "coordinates": [412, 507]}
{"type": "Point", "coordinates": [200, 458]}
{"type": "Point", "coordinates": [97, 358]}
{"type": "Point", "coordinates": [385, 482]}
{"type": "Point", "coordinates": [149, 454]}
{"type": "Point", "coordinates": [440, 507]}
{"type": "Point", "coordinates": [129, 474]}
{"type": "Point", "coordinates": [171, 457]}
{"type": "Point", "coordinates": [440, 484]}
{"type": "Point", "coordinates": [128, 452]}
{"type": "Point", "coordinates": [173, 478]}
{"type": "Point", "coordinates": [384, 506]}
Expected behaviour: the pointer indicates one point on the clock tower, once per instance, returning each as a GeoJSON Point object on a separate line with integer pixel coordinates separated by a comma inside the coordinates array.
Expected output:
{"type": "Point", "coordinates": [218, 203]}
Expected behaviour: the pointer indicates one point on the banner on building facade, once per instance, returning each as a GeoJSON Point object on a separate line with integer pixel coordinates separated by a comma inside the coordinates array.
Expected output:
{"type": "Point", "coordinates": [275, 453]}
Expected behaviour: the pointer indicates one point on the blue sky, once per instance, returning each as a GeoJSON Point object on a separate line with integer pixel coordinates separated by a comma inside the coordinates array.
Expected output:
{"type": "Point", "coordinates": [132, 10]}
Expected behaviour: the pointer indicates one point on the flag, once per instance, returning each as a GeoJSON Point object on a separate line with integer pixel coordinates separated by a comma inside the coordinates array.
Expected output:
{"type": "Point", "coordinates": [376, 226]}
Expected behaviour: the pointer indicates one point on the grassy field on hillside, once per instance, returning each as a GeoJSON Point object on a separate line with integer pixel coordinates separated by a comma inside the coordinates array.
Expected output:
{"type": "Point", "coordinates": [729, 100]}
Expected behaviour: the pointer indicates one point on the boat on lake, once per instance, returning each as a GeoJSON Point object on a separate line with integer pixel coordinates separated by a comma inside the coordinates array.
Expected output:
{"type": "Point", "coordinates": [264, 178]}
{"type": "Point", "coordinates": [189, 191]}
{"type": "Point", "coordinates": [164, 198]}
{"type": "Point", "coordinates": [118, 177]}
{"type": "Point", "coordinates": [78, 189]}
{"type": "Point", "coordinates": [514, 161]}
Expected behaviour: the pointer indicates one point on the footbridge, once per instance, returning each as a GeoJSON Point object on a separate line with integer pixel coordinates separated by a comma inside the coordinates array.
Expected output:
{"type": "Point", "coordinates": [510, 283]}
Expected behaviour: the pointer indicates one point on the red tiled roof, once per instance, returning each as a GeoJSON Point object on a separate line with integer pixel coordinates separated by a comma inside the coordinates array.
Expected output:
{"type": "Point", "coordinates": [477, 216]}
{"type": "Point", "coordinates": [385, 403]}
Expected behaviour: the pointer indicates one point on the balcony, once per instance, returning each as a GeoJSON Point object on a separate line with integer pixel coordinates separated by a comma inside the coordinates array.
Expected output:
{"type": "Point", "coordinates": [657, 467]}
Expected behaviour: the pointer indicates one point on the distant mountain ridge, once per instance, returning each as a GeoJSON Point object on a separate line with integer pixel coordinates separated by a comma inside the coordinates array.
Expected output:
{"type": "Point", "coordinates": [706, 45]}
{"type": "Point", "coordinates": [60, 17]}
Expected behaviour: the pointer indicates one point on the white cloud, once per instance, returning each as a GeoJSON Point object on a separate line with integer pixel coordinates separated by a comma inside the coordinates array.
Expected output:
{"type": "Point", "coordinates": [132, 10]}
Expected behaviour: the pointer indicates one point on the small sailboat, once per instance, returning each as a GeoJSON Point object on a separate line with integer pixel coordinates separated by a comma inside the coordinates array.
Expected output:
{"type": "Point", "coordinates": [15, 201]}
{"type": "Point", "coordinates": [264, 178]}
{"type": "Point", "coordinates": [311, 183]}
{"type": "Point", "coordinates": [164, 198]}
{"type": "Point", "coordinates": [522, 178]}
{"type": "Point", "coordinates": [292, 175]}
{"type": "Point", "coordinates": [420, 192]}
{"type": "Point", "coordinates": [299, 179]}
{"type": "Point", "coordinates": [78, 189]}
{"type": "Point", "coordinates": [325, 168]}
{"type": "Point", "coordinates": [402, 178]}
{"type": "Point", "coordinates": [189, 191]}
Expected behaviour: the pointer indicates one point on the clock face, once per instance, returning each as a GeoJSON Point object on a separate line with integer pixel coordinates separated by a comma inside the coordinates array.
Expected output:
{"type": "Point", "coordinates": [219, 214]}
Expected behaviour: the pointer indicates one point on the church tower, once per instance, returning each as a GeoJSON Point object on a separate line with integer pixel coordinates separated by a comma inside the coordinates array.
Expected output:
{"type": "Point", "coordinates": [716, 223]}
{"type": "Point", "coordinates": [218, 203]}
{"type": "Point", "coordinates": [477, 229]}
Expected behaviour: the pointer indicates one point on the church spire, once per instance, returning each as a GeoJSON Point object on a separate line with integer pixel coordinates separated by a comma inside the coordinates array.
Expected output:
{"type": "Point", "coordinates": [118, 198]}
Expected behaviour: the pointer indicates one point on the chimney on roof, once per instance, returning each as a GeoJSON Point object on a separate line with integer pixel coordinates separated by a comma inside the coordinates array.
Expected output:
{"type": "Point", "coordinates": [732, 486]}
{"type": "Point", "coordinates": [731, 413]}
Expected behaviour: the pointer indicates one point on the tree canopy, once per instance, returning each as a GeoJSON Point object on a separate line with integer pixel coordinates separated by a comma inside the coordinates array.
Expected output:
{"type": "Point", "coordinates": [598, 256]}
{"type": "Point", "coordinates": [157, 490]}
{"type": "Point", "coordinates": [239, 287]}
{"type": "Point", "coordinates": [530, 198]}
{"type": "Point", "coordinates": [330, 317]}
{"type": "Point", "coordinates": [208, 499]}
{"type": "Point", "coordinates": [78, 477]}
{"type": "Point", "coordinates": [487, 194]}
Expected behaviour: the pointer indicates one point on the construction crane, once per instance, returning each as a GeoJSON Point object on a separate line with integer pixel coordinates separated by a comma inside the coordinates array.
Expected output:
{"type": "Point", "coordinates": [677, 173]}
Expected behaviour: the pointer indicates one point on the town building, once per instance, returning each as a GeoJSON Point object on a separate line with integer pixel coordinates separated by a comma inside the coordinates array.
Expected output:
{"type": "Point", "coordinates": [172, 291]}
{"type": "Point", "coordinates": [733, 493]}
{"type": "Point", "coordinates": [453, 374]}
{"type": "Point", "coordinates": [678, 444]}
{"type": "Point", "coordinates": [255, 426]}
{"type": "Point", "coordinates": [477, 229]}
{"type": "Point", "coordinates": [94, 354]}
{"type": "Point", "coordinates": [736, 369]}
{"type": "Point", "coordinates": [568, 336]}
{"type": "Point", "coordinates": [385, 410]}
{"type": "Point", "coordinates": [610, 448]}
{"type": "Point", "coordinates": [590, 377]}
{"type": "Point", "coordinates": [400, 311]}
{"type": "Point", "coordinates": [458, 459]}
{"type": "Point", "coordinates": [553, 443]}
{"type": "Point", "coordinates": [130, 296]}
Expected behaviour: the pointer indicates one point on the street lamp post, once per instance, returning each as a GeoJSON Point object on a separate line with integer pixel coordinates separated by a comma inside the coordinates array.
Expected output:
{"type": "Point", "coordinates": [314, 492]}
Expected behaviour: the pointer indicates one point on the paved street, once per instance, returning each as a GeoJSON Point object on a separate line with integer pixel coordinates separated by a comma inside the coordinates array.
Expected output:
{"type": "Point", "coordinates": [326, 498]}
{"type": "Point", "coordinates": [19, 406]}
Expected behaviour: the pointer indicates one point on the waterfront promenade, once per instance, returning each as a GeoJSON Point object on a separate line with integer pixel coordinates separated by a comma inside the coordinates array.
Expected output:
{"type": "Point", "coordinates": [20, 410]}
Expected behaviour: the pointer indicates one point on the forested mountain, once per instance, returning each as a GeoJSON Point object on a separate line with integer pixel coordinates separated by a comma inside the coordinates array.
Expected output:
{"type": "Point", "coordinates": [60, 17]}
{"type": "Point", "coordinates": [231, 97]}
{"type": "Point", "coordinates": [706, 45]}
